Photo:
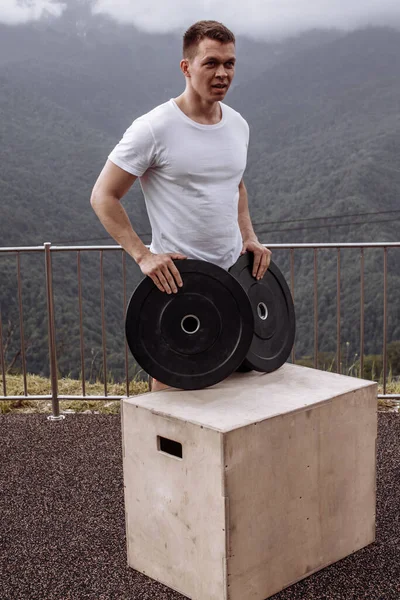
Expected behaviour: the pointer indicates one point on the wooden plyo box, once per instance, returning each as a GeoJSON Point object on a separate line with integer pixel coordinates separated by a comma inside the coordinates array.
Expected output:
{"type": "Point", "coordinates": [237, 491]}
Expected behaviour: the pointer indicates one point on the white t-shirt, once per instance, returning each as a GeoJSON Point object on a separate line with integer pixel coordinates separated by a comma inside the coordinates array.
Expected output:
{"type": "Point", "coordinates": [190, 175]}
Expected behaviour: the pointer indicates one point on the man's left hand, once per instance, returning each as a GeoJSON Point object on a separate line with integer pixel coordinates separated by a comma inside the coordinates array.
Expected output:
{"type": "Point", "coordinates": [262, 257]}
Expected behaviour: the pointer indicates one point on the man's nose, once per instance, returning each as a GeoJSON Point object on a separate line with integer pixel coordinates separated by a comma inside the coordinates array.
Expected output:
{"type": "Point", "coordinates": [221, 71]}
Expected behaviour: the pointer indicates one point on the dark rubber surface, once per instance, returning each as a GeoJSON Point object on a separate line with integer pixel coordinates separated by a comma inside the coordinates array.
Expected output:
{"type": "Point", "coordinates": [62, 531]}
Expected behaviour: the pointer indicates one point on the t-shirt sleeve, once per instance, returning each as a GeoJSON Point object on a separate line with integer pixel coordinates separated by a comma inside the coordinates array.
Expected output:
{"type": "Point", "coordinates": [247, 130]}
{"type": "Point", "coordinates": [135, 152]}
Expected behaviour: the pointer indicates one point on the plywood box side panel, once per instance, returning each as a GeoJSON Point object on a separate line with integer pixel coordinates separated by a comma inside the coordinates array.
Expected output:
{"type": "Point", "coordinates": [301, 489]}
{"type": "Point", "coordinates": [175, 507]}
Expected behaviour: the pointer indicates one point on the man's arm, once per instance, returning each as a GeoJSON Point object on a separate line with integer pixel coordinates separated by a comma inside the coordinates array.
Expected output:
{"type": "Point", "coordinates": [112, 184]}
{"type": "Point", "coordinates": [262, 256]}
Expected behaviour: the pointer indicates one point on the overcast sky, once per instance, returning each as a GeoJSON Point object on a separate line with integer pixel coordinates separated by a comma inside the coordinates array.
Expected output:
{"type": "Point", "coordinates": [251, 17]}
{"type": "Point", "coordinates": [21, 11]}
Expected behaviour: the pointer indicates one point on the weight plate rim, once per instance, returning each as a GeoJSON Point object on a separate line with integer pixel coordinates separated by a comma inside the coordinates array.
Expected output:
{"type": "Point", "coordinates": [239, 352]}
{"type": "Point", "coordinates": [253, 361]}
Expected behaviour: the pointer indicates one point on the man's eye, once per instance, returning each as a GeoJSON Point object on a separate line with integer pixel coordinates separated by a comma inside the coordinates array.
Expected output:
{"type": "Point", "coordinates": [230, 64]}
{"type": "Point", "coordinates": [210, 62]}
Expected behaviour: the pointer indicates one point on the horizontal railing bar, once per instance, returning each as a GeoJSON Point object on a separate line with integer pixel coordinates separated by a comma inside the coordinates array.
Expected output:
{"type": "Point", "coordinates": [59, 248]}
{"type": "Point", "coordinates": [89, 248]}
{"type": "Point", "coordinates": [60, 397]}
{"type": "Point", "coordinates": [33, 397]}
{"type": "Point", "coordinates": [22, 249]}
{"type": "Point", "coordinates": [276, 246]}
{"type": "Point", "coordinates": [336, 245]}
{"type": "Point", "coordinates": [95, 398]}
{"type": "Point", "coordinates": [395, 397]}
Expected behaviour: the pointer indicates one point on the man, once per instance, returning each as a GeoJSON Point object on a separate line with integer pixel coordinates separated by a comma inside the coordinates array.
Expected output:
{"type": "Point", "coordinates": [190, 154]}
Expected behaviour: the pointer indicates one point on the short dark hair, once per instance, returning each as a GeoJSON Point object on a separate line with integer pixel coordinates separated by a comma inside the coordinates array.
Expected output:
{"type": "Point", "coordinates": [205, 29]}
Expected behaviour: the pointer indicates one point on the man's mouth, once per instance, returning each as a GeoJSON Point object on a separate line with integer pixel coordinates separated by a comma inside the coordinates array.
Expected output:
{"type": "Point", "coordinates": [220, 86]}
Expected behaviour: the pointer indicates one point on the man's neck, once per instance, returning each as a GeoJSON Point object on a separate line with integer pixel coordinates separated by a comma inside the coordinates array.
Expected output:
{"type": "Point", "coordinates": [205, 113]}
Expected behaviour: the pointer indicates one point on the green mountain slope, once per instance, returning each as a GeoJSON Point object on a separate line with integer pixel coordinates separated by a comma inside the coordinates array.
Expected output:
{"type": "Point", "coordinates": [49, 160]}
{"type": "Point", "coordinates": [325, 130]}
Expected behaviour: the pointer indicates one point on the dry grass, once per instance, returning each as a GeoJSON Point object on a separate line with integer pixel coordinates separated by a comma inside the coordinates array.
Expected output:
{"type": "Point", "coordinates": [392, 387]}
{"type": "Point", "coordinates": [40, 386]}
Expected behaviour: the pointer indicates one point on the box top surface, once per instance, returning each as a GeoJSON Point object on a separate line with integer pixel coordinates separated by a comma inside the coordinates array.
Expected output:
{"type": "Point", "coordinates": [245, 398]}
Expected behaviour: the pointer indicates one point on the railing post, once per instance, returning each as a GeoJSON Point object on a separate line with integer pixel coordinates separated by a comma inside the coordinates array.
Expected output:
{"type": "Point", "coordinates": [385, 318]}
{"type": "Point", "coordinates": [21, 324]}
{"type": "Point", "coordinates": [124, 317]}
{"type": "Point", "coordinates": [292, 291]}
{"type": "Point", "coordinates": [2, 359]}
{"type": "Point", "coordinates": [81, 323]}
{"type": "Point", "coordinates": [55, 416]}
{"type": "Point", "coordinates": [338, 355]}
{"type": "Point", "coordinates": [315, 309]}
{"type": "Point", "coordinates": [362, 315]}
{"type": "Point", "coordinates": [103, 323]}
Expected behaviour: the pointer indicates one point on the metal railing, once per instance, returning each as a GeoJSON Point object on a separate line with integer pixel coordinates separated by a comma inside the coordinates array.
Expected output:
{"type": "Point", "coordinates": [47, 250]}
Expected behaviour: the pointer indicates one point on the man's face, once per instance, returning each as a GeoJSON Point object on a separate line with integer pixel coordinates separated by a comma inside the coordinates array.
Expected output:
{"type": "Point", "coordinates": [212, 69]}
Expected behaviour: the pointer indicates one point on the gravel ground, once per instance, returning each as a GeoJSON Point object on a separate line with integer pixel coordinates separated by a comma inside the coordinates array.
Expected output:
{"type": "Point", "coordinates": [62, 532]}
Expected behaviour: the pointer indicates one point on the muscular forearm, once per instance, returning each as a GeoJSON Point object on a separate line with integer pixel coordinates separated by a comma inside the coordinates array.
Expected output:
{"type": "Point", "coordinates": [262, 255]}
{"type": "Point", "coordinates": [244, 220]}
{"type": "Point", "coordinates": [116, 222]}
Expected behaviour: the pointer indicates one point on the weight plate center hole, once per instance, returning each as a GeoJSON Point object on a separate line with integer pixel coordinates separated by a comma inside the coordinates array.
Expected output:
{"type": "Point", "coordinates": [190, 324]}
{"type": "Point", "coordinates": [262, 311]}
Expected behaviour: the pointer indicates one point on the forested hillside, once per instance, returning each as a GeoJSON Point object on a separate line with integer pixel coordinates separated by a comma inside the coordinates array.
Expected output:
{"type": "Point", "coordinates": [325, 142]}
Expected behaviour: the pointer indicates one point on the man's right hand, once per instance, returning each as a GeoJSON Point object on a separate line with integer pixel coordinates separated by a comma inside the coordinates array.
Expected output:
{"type": "Point", "coordinates": [161, 269]}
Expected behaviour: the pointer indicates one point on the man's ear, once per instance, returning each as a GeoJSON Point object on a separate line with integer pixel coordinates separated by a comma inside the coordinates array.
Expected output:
{"type": "Point", "coordinates": [185, 67]}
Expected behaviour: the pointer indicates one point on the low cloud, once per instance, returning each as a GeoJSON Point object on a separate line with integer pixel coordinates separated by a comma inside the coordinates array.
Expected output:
{"type": "Point", "coordinates": [14, 12]}
{"type": "Point", "coordinates": [256, 18]}
{"type": "Point", "coordinates": [260, 18]}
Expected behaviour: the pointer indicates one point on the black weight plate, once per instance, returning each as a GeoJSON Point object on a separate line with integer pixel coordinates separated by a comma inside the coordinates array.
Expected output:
{"type": "Point", "coordinates": [274, 316]}
{"type": "Point", "coordinates": [196, 337]}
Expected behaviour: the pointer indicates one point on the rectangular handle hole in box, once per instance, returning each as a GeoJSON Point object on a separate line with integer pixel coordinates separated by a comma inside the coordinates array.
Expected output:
{"type": "Point", "coordinates": [169, 446]}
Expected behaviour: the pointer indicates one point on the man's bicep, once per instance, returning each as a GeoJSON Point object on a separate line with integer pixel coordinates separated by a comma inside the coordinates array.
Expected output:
{"type": "Point", "coordinates": [114, 181]}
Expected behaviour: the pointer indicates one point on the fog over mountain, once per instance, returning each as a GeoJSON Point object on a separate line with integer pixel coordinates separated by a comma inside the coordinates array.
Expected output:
{"type": "Point", "coordinates": [255, 18]}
